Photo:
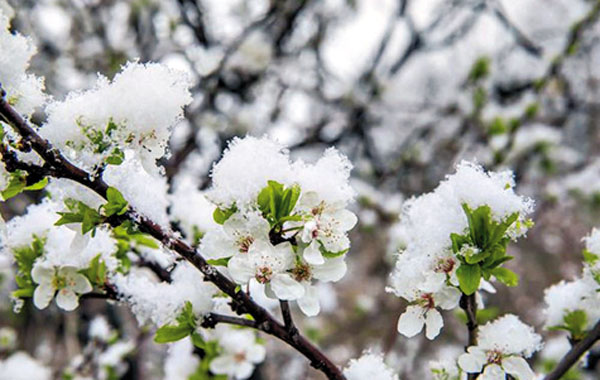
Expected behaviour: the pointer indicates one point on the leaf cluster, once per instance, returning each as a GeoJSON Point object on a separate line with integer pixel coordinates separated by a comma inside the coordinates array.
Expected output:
{"type": "Point", "coordinates": [490, 240]}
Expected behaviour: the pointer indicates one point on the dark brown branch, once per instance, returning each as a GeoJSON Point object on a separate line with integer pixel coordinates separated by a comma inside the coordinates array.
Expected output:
{"type": "Point", "coordinates": [212, 319]}
{"type": "Point", "coordinates": [62, 168]}
{"type": "Point", "coordinates": [575, 353]}
{"type": "Point", "coordinates": [469, 305]}
{"type": "Point", "coordinates": [287, 317]}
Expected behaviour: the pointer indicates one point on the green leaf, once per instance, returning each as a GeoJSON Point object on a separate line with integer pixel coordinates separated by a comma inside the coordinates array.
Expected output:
{"type": "Point", "coordinates": [221, 215]}
{"type": "Point", "coordinates": [116, 202]}
{"type": "Point", "coordinates": [16, 184]}
{"type": "Point", "coordinates": [186, 326]}
{"type": "Point", "coordinates": [116, 157]}
{"type": "Point", "coordinates": [589, 257]}
{"type": "Point", "coordinates": [198, 341]}
{"type": "Point", "coordinates": [480, 69]}
{"type": "Point", "coordinates": [505, 276]}
{"type": "Point", "coordinates": [329, 254]}
{"type": "Point", "coordinates": [25, 257]}
{"type": "Point", "coordinates": [458, 241]}
{"type": "Point", "coordinates": [576, 323]}
{"type": "Point", "coordinates": [38, 185]}
{"type": "Point", "coordinates": [79, 212]}
{"type": "Point", "coordinates": [219, 262]}
{"type": "Point", "coordinates": [170, 333]}
{"type": "Point", "coordinates": [469, 277]}
{"type": "Point", "coordinates": [96, 272]}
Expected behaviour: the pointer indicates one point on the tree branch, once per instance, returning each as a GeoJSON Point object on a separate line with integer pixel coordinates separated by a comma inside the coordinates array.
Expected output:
{"type": "Point", "coordinates": [287, 317]}
{"type": "Point", "coordinates": [62, 168]}
{"type": "Point", "coordinates": [469, 305]}
{"type": "Point", "coordinates": [575, 353]}
{"type": "Point", "coordinates": [212, 319]}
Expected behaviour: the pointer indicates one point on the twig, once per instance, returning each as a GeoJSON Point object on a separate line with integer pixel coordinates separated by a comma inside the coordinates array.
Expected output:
{"type": "Point", "coordinates": [575, 353]}
{"type": "Point", "coordinates": [287, 316]}
{"type": "Point", "coordinates": [212, 319]}
{"type": "Point", "coordinates": [469, 305]}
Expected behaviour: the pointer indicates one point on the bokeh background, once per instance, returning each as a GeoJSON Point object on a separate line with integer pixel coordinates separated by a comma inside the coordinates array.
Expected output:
{"type": "Point", "coordinates": [405, 88]}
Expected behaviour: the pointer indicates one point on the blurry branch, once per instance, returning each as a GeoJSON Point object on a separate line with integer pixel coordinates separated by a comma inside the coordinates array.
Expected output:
{"type": "Point", "coordinates": [522, 40]}
{"type": "Point", "coordinates": [575, 353]}
{"type": "Point", "coordinates": [58, 166]}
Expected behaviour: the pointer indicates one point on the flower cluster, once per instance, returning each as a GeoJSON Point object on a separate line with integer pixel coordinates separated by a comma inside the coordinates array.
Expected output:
{"type": "Point", "coordinates": [282, 224]}
{"type": "Point", "coordinates": [574, 306]}
{"type": "Point", "coordinates": [454, 237]}
{"type": "Point", "coordinates": [502, 348]}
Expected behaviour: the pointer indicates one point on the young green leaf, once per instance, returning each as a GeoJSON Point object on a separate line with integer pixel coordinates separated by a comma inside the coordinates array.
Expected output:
{"type": "Point", "coordinates": [116, 202]}
{"type": "Point", "coordinates": [221, 215]}
{"type": "Point", "coordinates": [505, 276]}
{"type": "Point", "coordinates": [469, 277]}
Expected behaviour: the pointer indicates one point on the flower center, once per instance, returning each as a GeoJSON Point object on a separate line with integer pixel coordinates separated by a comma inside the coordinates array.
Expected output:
{"type": "Point", "coordinates": [244, 243]}
{"type": "Point", "coordinates": [445, 265]}
{"type": "Point", "coordinates": [59, 282]}
{"type": "Point", "coordinates": [264, 274]}
{"type": "Point", "coordinates": [427, 301]}
{"type": "Point", "coordinates": [494, 357]}
{"type": "Point", "coordinates": [301, 272]}
{"type": "Point", "coordinates": [239, 357]}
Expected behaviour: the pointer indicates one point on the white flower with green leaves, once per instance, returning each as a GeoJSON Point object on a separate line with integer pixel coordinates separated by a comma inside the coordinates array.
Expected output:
{"type": "Point", "coordinates": [269, 265]}
{"type": "Point", "coordinates": [66, 280]}
{"type": "Point", "coordinates": [325, 227]}
{"type": "Point", "coordinates": [502, 347]}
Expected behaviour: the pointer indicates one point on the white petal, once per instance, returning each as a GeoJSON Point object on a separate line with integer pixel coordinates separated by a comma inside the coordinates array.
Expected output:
{"type": "Point", "coordinates": [42, 295]}
{"type": "Point", "coordinates": [286, 288]}
{"type": "Point", "coordinates": [243, 370]}
{"type": "Point", "coordinates": [79, 242]}
{"type": "Point", "coordinates": [433, 323]}
{"type": "Point", "coordinates": [79, 283]}
{"type": "Point", "coordinates": [433, 283]}
{"type": "Point", "coordinates": [312, 254]}
{"type": "Point", "coordinates": [42, 273]}
{"type": "Point", "coordinates": [309, 304]}
{"type": "Point", "coordinates": [332, 270]}
{"type": "Point", "coordinates": [240, 269]}
{"type": "Point", "coordinates": [518, 368]}
{"type": "Point", "coordinates": [411, 321]}
{"type": "Point", "coordinates": [222, 365]}
{"type": "Point", "coordinates": [448, 298]}
{"type": "Point", "coordinates": [67, 299]}
{"type": "Point", "coordinates": [487, 286]}
{"type": "Point", "coordinates": [347, 219]}
{"type": "Point", "coordinates": [493, 372]}
{"type": "Point", "coordinates": [256, 353]}
{"type": "Point", "coordinates": [472, 361]}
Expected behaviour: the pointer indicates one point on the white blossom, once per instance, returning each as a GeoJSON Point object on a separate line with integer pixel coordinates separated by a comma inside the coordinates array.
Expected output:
{"type": "Point", "coordinates": [369, 366]}
{"type": "Point", "coordinates": [65, 280]}
{"type": "Point", "coordinates": [239, 353]}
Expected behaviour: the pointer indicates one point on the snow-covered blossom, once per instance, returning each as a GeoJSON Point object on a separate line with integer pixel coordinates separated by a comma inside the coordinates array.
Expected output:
{"type": "Point", "coordinates": [239, 353]}
{"type": "Point", "coordinates": [65, 280]}
{"type": "Point", "coordinates": [21, 366]}
{"type": "Point", "coordinates": [280, 223]}
{"type": "Point", "coordinates": [369, 366]}
{"type": "Point", "coordinates": [136, 110]}
{"type": "Point", "coordinates": [502, 347]}
{"type": "Point", "coordinates": [432, 226]}
{"type": "Point", "coordinates": [24, 91]}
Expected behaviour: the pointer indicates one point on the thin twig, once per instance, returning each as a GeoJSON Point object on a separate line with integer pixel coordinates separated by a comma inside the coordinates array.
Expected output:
{"type": "Point", "coordinates": [575, 353]}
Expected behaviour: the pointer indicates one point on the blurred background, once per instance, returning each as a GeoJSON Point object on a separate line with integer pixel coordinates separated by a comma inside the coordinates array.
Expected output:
{"type": "Point", "coordinates": [405, 88]}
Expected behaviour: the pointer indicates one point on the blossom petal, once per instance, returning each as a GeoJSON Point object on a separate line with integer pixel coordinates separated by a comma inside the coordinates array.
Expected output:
{"type": "Point", "coordinates": [331, 270]}
{"type": "Point", "coordinates": [518, 368]}
{"type": "Point", "coordinates": [286, 288]}
{"type": "Point", "coordinates": [312, 254]}
{"type": "Point", "coordinates": [472, 361]}
{"type": "Point", "coordinates": [493, 372]}
{"type": "Point", "coordinates": [448, 298]}
{"type": "Point", "coordinates": [433, 323]}
{"type": "Point", "coordinates": [243, 370]}
{"type": "Point", "coordinates": [67, 299]}
{"type": "Point", "coordinates": [309, 304]}
{"type": "Point", "coordinates": [256, 353]}
{"type": "Point", "coordinates": [42, 295]}
{"type": "Point", "coordinates": [42, 273]}
{"type": "Point", "coordinates": [79, 284]}
{"type": "Point", "coordinates": [411, 321]}
{"type": "Point", "coordinates": [240, 269]}
{"type": "Point", "coordinates": [222, 365]}
{"type": "Point", "coordinates": [347, 219]}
